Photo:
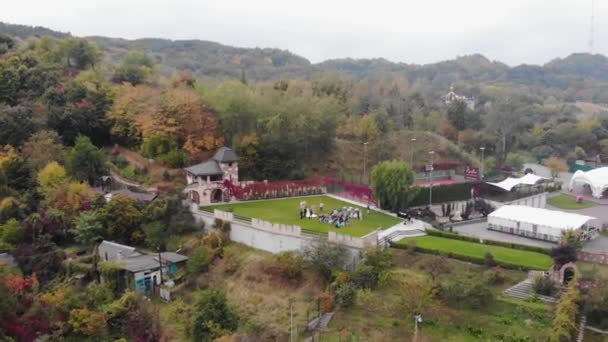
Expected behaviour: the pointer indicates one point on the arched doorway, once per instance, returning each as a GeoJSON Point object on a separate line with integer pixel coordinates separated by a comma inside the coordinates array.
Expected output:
{"type": "Point", "coordinates": [216, 196]}
{"type": "Point", "coordinates": [568, 275]}
{"type": "Point", "coordinates": [195, 197]}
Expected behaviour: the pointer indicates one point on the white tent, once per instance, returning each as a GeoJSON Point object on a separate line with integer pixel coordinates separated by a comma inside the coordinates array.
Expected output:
{"type": "Point", "coordinates": [510, 183]}
{"type": "Point", "coordinates": [597, 179]}
{"type": "Point", "coordinates": [537, 223]}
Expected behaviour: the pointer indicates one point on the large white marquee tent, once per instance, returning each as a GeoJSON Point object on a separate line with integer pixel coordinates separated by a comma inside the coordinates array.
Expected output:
{"type": "Point", "coordinates": [538, 223]}
{"type": "Point", "coordinates": [597, 179]}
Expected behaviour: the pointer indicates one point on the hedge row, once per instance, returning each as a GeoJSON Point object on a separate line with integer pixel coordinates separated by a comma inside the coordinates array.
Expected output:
{"type": "Point", "coordinates": [511, 245]}
{"type": "Point", "coordinates": [443, 193]}
{"type": "Point", "coordinates": [462, 257]}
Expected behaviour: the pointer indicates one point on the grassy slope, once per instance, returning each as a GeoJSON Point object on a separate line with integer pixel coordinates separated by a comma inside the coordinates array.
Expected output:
{"type": "Point", "coordinates": [286, 211]}
{"type": "Point", "coordinates": [513, 256]}
{"type": "Point", "coordinates": [569, 202]}
{"type": "Point", "coordinates": [378, 315]}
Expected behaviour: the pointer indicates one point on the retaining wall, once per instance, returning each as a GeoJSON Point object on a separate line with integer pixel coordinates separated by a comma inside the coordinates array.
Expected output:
{"type": "Point", "coordinates": [277, 238]}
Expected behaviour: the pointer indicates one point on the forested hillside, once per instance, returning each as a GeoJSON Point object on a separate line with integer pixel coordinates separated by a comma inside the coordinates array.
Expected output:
{"type": "Point", "coordinates": [74, 110]}
{"type": "Point", "coordinates": [578, 77]}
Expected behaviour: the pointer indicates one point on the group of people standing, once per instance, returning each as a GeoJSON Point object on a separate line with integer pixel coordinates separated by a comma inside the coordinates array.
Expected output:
{"type": "Point", "coordinates": [338, 217]}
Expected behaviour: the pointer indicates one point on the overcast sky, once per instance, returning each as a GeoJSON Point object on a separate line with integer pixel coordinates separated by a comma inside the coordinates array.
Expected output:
{"type": "Point", "coordinates": [412, 31]}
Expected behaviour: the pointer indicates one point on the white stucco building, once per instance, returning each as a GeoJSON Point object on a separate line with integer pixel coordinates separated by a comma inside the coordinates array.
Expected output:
{"type": "Point", "coordinates": [206, 180]}
{"type": "Point", "coordinates": [539, 223]}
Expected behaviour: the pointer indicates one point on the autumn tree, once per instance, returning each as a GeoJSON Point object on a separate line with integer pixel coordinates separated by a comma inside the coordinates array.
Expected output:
{"type": "Point", "coordinates": [42, 148]}
{"type": "Point", "coordinates": [556, 166]}
{"type": "Point", "coordinates": [88, 323]}
{"type": "Point", "coordinates": [132, 111]}
{"type": "Point", "coordinates": [50, 178]}
{"type": "Point", "coordinates": [122, 219]}
{"type": "Point", "coordinates": [564, 322]}
{"type": "Point", "coordinates": [416, 293]}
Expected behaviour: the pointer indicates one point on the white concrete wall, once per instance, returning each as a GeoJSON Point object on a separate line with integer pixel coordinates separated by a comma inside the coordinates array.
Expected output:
{"type": "Point", "coordinates": [524, 228]}
{"type": "Point", "coordinates": [275, 240]}
{"type": "Point", "coordinates": [536, 201]}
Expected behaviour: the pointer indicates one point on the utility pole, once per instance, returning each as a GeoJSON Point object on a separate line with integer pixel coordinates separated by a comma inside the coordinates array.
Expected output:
{"type": "Point", "coordinates": [291, 332]}
{"type": "Point", "coordinates": [417, 319]}
{"type": "Point", "coordinates": [160, 263]}
{"type": "Point", "coordinates": [412, 153]}
{"type": "Point", "coordinates": [365, 161]}
{"type": "Point", "coordinates": [432, 153]}
{"type": "Point", "coordinates": [482, 148]}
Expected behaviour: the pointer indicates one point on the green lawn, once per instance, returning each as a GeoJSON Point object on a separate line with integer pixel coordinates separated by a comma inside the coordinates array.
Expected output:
{"type": "Point", "coordinates": [514, 256]}
{"type": "Point", "coordinates": [569, 202]}
{"type": "Point", "coordinates": [287, 211]}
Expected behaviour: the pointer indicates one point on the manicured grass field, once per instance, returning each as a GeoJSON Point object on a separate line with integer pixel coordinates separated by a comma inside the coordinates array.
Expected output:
{"type": "Point", "coordinates": [287, 211]}
{"type": "Point", "coordinates": [569, 202]}
{"type": "Point", "coordinates": [513, 256]}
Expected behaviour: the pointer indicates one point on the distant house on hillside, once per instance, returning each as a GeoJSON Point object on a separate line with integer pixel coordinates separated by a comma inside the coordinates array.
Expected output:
{"type": "Point", "coordinates": [142, 270]}
{"type": "Point", "coordinates": [452, 97]}
{"type": "Point", "coordinates": [206, 180]}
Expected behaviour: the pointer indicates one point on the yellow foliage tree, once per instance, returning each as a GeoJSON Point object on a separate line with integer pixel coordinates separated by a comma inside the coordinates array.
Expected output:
{"type": "Point", "coordinates": [71, 197]}
{"type": "Point", "coordinates": [88, 323]}
{"type": "Point", "coordinates": [556, 166]}
{"type": "Point", "coordinates": [50, 178]}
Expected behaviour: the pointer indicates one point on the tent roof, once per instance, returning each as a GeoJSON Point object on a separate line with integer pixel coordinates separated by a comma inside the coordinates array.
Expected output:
{"type": "Point", "coordinates": [543, 217]}
{"type": "Point", "coordinates": [596, 177]}
{"type": "Point", "coordinates": [510, 183]}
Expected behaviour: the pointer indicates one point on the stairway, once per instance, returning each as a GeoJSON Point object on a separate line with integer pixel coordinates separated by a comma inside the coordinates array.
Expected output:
{"type": "Point", "coordinates": [525, 290]}
{"type": "Point", "coordinates": [581, 329]}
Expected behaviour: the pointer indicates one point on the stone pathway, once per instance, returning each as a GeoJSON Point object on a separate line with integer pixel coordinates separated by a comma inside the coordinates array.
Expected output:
{"type": "Point", "coordinates": [525, 289]}
{"type": "Point", "coordinates": [403, 230]}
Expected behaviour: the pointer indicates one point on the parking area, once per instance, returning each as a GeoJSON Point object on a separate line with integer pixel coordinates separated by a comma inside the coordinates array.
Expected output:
{"type": "Point", "coordinates": [480, 230]}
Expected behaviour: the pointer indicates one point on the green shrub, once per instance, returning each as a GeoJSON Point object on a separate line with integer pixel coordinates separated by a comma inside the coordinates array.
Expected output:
{"type": "Point", "coordinates": [346, 294]}
{"type": "Point", "coordinates": [174, 159]}
{"type": "Point", "coordinates": [544, 286]}
{"type": "Point", "coordinates": [120, 161]}
{"type": "Point", "coordinates": [467, 294]}
{"type": "Point", "coordinates": [286, 265]}
{"type": "Point", "coordinates": [488, 260]}
{"type": "Point", "coordinates": [213, 317]}
{"type": "Point", "coordinates": [198, 262]}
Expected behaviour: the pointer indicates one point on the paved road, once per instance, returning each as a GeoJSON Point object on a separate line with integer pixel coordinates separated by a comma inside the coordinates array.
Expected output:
{"type": "Point", "coordinates": [480, 230]}
{"type": "Point", "coordinates": [543, 171]}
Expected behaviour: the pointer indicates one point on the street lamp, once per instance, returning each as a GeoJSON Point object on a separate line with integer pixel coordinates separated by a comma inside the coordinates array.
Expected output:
{"type": "Point", "coordinates": [432, 153]}
{"type": "Point", "coordinates": [417, 320]}
{"type": "Point", "coordinates": [412, 153]}
{"type": "Point", "coordinates": [482, 148]}
{"type": "Point", "coordinates": [365, 161]}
